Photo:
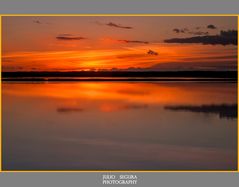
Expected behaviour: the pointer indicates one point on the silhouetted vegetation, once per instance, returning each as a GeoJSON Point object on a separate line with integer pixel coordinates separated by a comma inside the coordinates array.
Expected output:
{"type": "Point", "coordinates": [201, 74]}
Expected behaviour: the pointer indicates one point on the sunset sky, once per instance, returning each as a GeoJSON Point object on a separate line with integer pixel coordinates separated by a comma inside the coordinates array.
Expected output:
{"type": "Point", "coordinates": [113, 42]}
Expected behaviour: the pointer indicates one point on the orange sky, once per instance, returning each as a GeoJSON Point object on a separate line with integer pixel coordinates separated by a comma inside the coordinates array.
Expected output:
{"type": "Point", "coordinates": [105, 43]}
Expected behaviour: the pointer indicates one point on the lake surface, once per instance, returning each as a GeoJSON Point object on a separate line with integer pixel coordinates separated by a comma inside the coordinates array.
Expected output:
{"type": "Point", "coordinates": [119, 126]}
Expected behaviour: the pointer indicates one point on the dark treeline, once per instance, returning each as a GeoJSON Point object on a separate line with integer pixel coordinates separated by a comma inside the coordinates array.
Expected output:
{"type": "Point", "coordinates": [194, 74]}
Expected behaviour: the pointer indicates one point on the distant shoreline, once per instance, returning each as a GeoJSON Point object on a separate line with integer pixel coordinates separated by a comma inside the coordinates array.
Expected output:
{"type": "Point", "coordinates": [116, 80]}
{"type": "Point", "coordinates": [223, 76]}
{"type": "Point", "coordinates": [206, 74]}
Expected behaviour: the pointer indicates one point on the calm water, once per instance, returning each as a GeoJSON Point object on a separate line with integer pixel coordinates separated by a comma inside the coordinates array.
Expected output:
{"type": "Point", "coordinates": [119, 126]}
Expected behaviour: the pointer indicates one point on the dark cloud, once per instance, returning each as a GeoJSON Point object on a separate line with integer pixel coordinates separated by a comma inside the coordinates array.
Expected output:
{"type": "Point", "coordinates": [69, 37]}
{"type": "Point", "coordinates": [211, 26]}
{"type": "Point", "coordinates": [176, 30]}
{"type": "Point", "coordinates": [151, 52]}
{"type": "Point", "coordinates": [180, 30]}
{"type": "Point", "coordinates": [118, 26]}
{"type": "Point", "coordinates": [187, 31]}
{"type": "Point", "coordinates": [223, 110]}
{"type": "Point", "coordinates": [133, 41]}
{"type": "Point", "coordinates": [37, 22]}
{"type": "Point", "coordinates": [224, 38]}
{"type": "Point", "coordinates": [69, 109]}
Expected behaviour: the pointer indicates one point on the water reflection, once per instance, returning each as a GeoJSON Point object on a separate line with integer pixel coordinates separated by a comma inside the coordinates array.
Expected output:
{"type": "Point", "coordinates": [223, 110]}
{"type": "Point", "coordinates": [119, 126]}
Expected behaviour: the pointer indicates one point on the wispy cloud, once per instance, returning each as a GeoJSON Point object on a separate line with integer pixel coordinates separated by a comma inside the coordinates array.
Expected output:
{"type": "Point", "coordinates": [40, 22]}
{"type": "Point", "coordinates": [133, 41]}
{"type": "Point", "coordinates": [111, 24]}
{"type": "Point", "coordinates": [118, 26]}
{"type": "Point", "coordinates": [198, 33]}
{"type": "Point", "coordinates": [69, 37]}
{"type": "Point", "coordinates": [195, 31]}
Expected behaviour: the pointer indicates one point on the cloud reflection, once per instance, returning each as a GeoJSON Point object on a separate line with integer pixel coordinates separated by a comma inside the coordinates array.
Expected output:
{"type": "Point", "coordinates": [69, 109]}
